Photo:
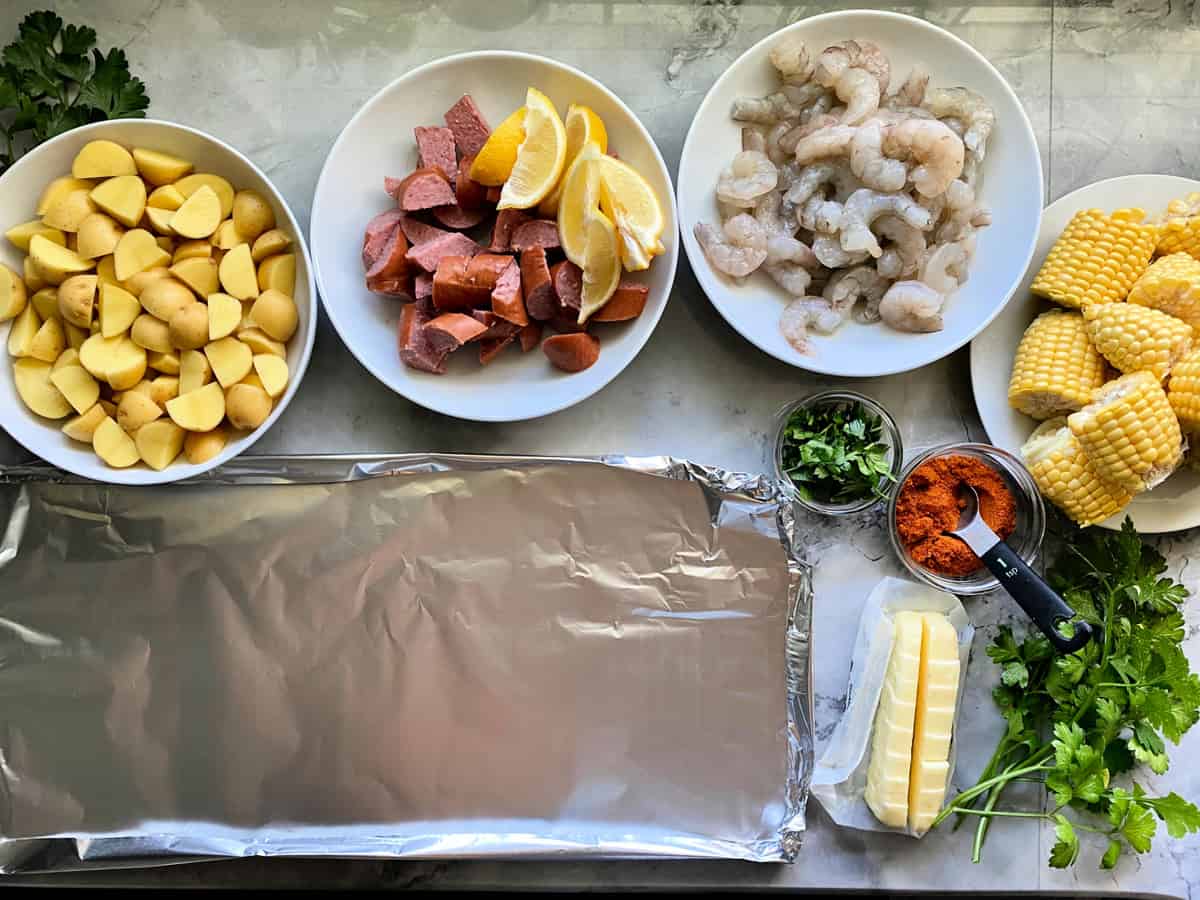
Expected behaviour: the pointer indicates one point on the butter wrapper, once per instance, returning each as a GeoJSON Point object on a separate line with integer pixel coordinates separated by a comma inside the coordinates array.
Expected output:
{"type": "Point", "coordinates": [840, 775]}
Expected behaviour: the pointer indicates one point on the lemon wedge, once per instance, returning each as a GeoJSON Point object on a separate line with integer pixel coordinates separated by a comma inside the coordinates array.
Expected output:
{"type": "Point", "coordinates": [580, 198]}
{"type": "Point", "coordinates": [627, 198]}
{"type": "Point", "coordinates": [602, 263]}
{"type": "Point", "coordinates": [494, 162]}
{"type": "Point", "coordinates": [540, 157]}
{"type": "Point", "coordinates": [583, 126]}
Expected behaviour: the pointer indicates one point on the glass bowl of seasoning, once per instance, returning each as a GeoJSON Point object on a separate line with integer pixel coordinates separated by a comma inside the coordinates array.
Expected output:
{"type": "Point", "coordinates": [839, 451]}
{"type": "Point", "coordinates": [930, 498]}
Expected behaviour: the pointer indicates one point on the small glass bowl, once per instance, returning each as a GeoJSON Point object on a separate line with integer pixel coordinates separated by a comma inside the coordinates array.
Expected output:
{"type": "Point", "coordinates": [890, 436]}
{"type": "Point", "coordinates": [1026, 539]}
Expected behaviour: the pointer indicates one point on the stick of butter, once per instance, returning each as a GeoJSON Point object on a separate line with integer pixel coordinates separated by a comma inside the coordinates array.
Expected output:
{"type": "Point", "coordinates": [892, 739]}
{"type": "Point", "coordinates": [910, 745]}
{"type": "Point", "coordinates": [937, 694]}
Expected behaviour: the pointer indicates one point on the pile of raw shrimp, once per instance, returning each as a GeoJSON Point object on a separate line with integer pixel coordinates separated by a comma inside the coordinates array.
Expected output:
{"type": "Point", "coordinates": [856, 201]}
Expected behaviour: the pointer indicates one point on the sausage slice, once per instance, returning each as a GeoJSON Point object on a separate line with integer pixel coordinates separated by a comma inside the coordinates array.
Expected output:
{"type": "Point", "coordinates": [572, 352]}
{"type": "Point", "coordinates": [379, 229]}
{"type": "Point", "coordinates": [626, 303]}
{"type": "Point", "coordinates": [449, 331]}
{"type": "Point", "coordinates": [470, 128]}
{"type": "Point", "coordinates": [435, 148]}
{"type": "Point", "coordinates": [540, 301]}
{"type": "Point", "coordinates": [423, 189]}
{"type": "Point", "coordinates": [536, 233]}
{"type": "Point", "coordinates": [451, 243]}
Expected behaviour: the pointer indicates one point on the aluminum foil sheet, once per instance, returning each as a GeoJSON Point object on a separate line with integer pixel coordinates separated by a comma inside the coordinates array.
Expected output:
{"type": "Point", "coordinates": [404, 656]}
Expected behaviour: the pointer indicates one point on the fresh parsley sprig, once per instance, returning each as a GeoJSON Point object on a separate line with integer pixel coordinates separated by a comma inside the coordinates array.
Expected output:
{"type": "Point", "coordinates": [1082, 722]}
{"type": "Point", "coordinates": [50, 84]}
{"type": "Point", "coordinates": [835, 453]}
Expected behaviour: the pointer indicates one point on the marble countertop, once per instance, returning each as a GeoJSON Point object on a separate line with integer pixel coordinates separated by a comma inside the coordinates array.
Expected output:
{"type": "Point", "coordinates": [1112, 88]}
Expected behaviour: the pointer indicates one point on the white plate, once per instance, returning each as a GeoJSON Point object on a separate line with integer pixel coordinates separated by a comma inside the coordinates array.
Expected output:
{"type": "Point", "coordinates": [19, 191]}
{"type": "Point", "coordinates": [1173, 505]}
{"type": "Point", "coordinates": [1011, 186]}
{"type": "Point", "coordinates": [378, 141]}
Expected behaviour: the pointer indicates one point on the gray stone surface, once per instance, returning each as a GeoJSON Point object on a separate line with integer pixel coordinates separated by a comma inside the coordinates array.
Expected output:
{"type": "Point", "coordinates": [1111, 89]}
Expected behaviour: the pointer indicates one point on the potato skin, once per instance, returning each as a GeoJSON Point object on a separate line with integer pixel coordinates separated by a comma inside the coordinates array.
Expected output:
{"type": "Point", "coordinates": [247, 406]}
{"type": "Point", "coordinates": [188, 327]}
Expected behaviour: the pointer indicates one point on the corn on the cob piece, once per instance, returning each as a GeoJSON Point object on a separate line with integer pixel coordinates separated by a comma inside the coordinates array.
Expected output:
{"type": "Point", "coordinates": [1129, 432]}
{"type": "Point", "coordinates": [1056, 368]}
{"type": "Point", "coordinates": [1171, 284]}
{"type": "Point", "coordinates": [1067, 478]}
{"type": "Point", "coordinates": [1097, 258]}
{"type": "Point", "coordinates": [1183, 391]}
{"type": "Point", "coordinates": [1137, 338]}
{"type": "Point", "coordinates": [1179, 231]}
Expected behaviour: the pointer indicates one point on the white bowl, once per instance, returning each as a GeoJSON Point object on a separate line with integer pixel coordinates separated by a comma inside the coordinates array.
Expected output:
{"type": "Point", "coordinates": [1011, 185]}
{"type": "Point", "coordinates": [19, 191]}
{"type": "Point", "coordinates": [1174, 504]}
{"type": "Point", "coordinates": [378, 141]}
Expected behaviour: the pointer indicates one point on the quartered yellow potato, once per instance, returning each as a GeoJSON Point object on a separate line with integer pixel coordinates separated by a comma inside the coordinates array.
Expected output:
{"type": "Point", "coordinates": [53, 262]}
{"type": "Point", "coordinates": [259, 342]}
{"type": "Point", "coordinates": [31, 276]}
{"type": "Point", "coordinates": [136, 252]}
{"type": "Point", "coordinates": [252, 214]}
{"type": "Point", "coordinates": [188, 328]}
{"type": "Point", "coordinates": [224, 315]}
{"type": "Point", "coordinates": [247, 406]}
{"type": "Point", "coordinates": [77, 385]}
{"type": "Point", "coordinates": [200, 249]}
{"type": "Point", "coordinates": [49, 341]}
{"type": "Point", "coordinates": [98, 236]}
{"type": "Point", "coordinates": [117, 360]}
{"type": "Point", "coordinates": [230, 360]}
{"type": "Point", "coordinates": [194, 371]}
{"type": "Point", "coordinates": [118, 309]}
{"type": "Point", "coordinates": [103, 159]}
{"type": "Point", "coordinates": [70, 211]}
{"type": "Point", "coordinates": [76, 335]}
{"type": "Point", "coordinates": [12, 294]}
{"type": "Point", "coordinates": [160, 220]}
{"type": "Point", "coordinates": [200, 214]}
{"type": "Point", "coordinates": [167, 363]}
{"type": "Point", "coordinates": [58, 189]}
{"type": "Point", "coordinates": [164, 388]}
{"type": "Point", "coordinates": [275, 313]}
{"type": "Point", "coordinates": [159, 168]}
{"type": "Point", "coordinates": [272, 373]}
{"type": "Point", "coordinates": [163, 297]}
{"type": "Point", "coordinates": [269, 243]}
{"type": "Point", "coordinates": [82, 427]}
{"type": "Point", "coordinates": [45, 302]}
{"type": "Point", "coordinates": [152, 333]}
{"type": "Point", "coordinates": [278, 273]}
{"type": "Point", "coordinates": [113, 445]}
{"type": "Point", "coordinates": [19, 235]}
{"type": "Point", "coordinates": [226, 237]}
{"type": "Point", "coordinates": [201, 446]}
{"type": "Point", "coordinates": [69, 357]}
{"type": "Point", "coordinates": [123, 197]}
{"type": "Point", "coordinates": [189, 184]}
{"type": "Point", "coordinates": [198, 410]}
{"type": "Point", "coordinates": [76, 296]}
{"type": "Point", "coordinates": [136, 409]}
{"type": "Point", "coordinates": [159, 443]}
{"type": "Point", "coordinates": [198, 273]}
{"type": "Point", "coordinates": [23, 331]}
{"type": "Point", "coordinates": [237, 273]}
{"type": "Point", "coordinates": [142, 280]}
{"type": "Point", "coordinates": [165, 197]}
{"type": "Point", "coordinates": [37, 391]}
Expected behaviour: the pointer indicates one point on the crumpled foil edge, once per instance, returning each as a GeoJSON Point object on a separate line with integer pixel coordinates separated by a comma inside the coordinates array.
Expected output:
{"type": "Point", "coordinates": [30, 856]}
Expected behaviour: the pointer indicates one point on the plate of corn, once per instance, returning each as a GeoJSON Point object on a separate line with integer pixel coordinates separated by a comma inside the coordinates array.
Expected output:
{"type": "Point", "coordinates": [1092, 373]}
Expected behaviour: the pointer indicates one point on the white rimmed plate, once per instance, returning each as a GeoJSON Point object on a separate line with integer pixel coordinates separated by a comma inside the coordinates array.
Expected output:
{"type": "Point", "coordinates": [1011, 185]}
{"type": "Point", "coordinates": [1174, 504]}
{"type": "Point", "coordinates": [378, 141]}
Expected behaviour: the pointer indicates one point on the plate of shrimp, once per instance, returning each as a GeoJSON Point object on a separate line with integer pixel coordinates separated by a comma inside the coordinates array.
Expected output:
{"type": "Point", "coordinates": [860, 193]}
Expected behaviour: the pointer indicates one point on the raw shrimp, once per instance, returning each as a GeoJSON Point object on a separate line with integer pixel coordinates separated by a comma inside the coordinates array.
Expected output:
{"type": "Point", "coordinates": [728, 210]}
{"type": "Point", "coordinates": [783, 248]}
{"type": "Point", "coordinates": [766, 213]}
{"type": "Point", "coordinates": [814, 176]}
{"type": "Point", "coordinates": [807, 312]}
{"type": "Point", "coordinates": [775, 150]}
{"type": "Point", "coordinates": [911, 92]}
{"type": "Point", "coordinates": [912, 306]}
{"type": "Point", "coordinates": [955, 124]}
{"type": "Point", "coordinates": [754, 139]}
{"type": "Point", "coordinates": [764, 110]}
{"type": "Point", "coordinates": [789, 141]}
{"type": "Point", "coordinates": [902, 256]}
{"type": "Point", "coordinates": [831, 141]}
{"type": "Point", "coordinates": [859, 90]}
{"type": "Point", "coordinates": [829, 253]}
{"type": "Point", "coordinates": [791, 60]}
{"type": "Point", "coordinates": [870, 165]}
{"type": "Point", "coordinates": [864, 206]}
{"type": "Point", "coordinates": [937, 150]}
{"type": "Point", "coordinates": [964, 214]}
{"type": "Point", "coordinates": [802, 96]}
{"type": "Point", "coordinates": [963, 103]}
{"type": "Point", "coordinates": [749, 176]}
{"type": "Point", "coordinates": [818, 107]}
{"type": "Point", "coordinates": [836, 59]}
{"type": "Point", "coordinates": [737, 250]}
{"type": "Point", "coordinates": [819, 214]}
{"type": "Point", "coordinates": [944, 267]}
{"type": "Point", "coordinates": [847, 287]}
{"type": "Point", "coordinates": [792, 277]}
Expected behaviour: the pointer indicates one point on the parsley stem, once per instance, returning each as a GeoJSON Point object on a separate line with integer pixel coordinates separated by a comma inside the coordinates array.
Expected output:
{"type": "Point", "coordinates": [990, 813]}
{"type": "Point", "coordinates": [983, 786]}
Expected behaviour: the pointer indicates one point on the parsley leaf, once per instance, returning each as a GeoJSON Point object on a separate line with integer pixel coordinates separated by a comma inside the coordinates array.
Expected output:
{"type": "Point", "coordinates": [836, 452]}
{"type": "Point", "coordinates": [1066, 848]}
{"type": "Point", "coordinates": [50, 84]}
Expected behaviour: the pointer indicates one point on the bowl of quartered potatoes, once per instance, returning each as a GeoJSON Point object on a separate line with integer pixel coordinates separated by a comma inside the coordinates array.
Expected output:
{"type": "Point", "coordinates": [155, 298]}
